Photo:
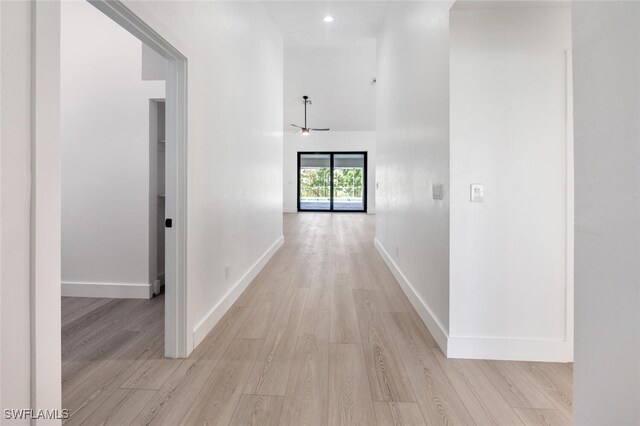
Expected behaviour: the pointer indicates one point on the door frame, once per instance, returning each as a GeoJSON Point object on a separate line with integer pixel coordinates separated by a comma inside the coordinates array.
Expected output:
{"type": "Point", "coordinates": [175, 332]}
{"type": "Point", "coordinates": [331, 154]}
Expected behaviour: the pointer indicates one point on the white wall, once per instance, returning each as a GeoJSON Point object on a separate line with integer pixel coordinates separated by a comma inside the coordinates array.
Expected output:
{"type": "Point", "coordinates": [606, 63]}
{"type": "Point", "coordinates": [105, 156]}
{"type": "Point", "coordinates": [235, 104]}
{"type": "Point", "coordinates": [510, 283]}
{"type": "Point", "coordinates": [153, 65]}
{"type": "Point", "coordinates": [413, 154]}
{"type": "Point", "coordinates": [326, 141]}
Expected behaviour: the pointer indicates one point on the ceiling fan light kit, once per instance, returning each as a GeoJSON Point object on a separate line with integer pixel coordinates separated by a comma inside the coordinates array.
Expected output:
{"type": "Point", "coordinates": [306, 130]}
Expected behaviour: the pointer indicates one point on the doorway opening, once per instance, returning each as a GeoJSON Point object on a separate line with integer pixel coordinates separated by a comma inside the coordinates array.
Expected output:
{"type": "Point", "coordinates": [123, 160]}
{"type": "Point", "coordinates": [332, 181]}
{"type": "Point", "coordinates": [177, 342]}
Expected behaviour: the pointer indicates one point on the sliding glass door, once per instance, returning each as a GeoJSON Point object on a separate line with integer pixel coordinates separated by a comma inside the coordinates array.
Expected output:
{"type": "Point", "coordinates": [314, 181]}
{"type": "Point", "coordinates": [332, 181]}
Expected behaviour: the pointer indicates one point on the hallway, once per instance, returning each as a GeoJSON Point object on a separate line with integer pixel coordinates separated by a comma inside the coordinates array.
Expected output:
{"type": "Point", "coordinates": [324, 335]}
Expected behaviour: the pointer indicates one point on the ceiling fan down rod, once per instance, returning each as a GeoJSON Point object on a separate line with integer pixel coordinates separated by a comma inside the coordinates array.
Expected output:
{"type": "Point", "coordinates": [305, 110]}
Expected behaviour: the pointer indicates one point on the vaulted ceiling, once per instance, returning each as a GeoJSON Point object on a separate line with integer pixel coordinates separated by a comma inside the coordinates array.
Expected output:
{"type": "Point", "coordinates": [332, 63]}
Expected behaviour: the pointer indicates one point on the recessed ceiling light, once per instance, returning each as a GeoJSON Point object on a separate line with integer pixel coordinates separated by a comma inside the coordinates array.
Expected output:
{"type": "Point", "coordinates": [328, 18]}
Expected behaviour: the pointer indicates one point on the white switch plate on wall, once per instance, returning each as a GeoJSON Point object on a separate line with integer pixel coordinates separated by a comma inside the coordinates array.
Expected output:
{"type": "Point", "coordinates": [477, 193]}
{"type": "Point", "coordinates": [437, 192]}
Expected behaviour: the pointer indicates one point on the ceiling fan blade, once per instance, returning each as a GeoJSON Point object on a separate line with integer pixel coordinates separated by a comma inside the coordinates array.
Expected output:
{"type": "Point", "coordinates": [297, 126]}
{"type": "Point", "coordinates": [320, 130]}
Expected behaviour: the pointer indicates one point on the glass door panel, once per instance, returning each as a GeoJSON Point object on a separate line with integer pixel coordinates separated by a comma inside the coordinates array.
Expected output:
{"type": "Point", "coordinates": [348, 182]}
{"type": "Point", "coordinates": [314, 177]}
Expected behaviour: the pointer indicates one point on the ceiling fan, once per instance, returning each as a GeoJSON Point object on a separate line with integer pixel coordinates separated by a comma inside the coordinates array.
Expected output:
{"type": "Point", "coordinates": [306, 130]}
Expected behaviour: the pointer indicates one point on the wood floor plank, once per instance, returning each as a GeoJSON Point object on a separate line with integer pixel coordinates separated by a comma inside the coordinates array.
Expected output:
{"type": "Point", "coordinates": [349, 392]}
{"type": "Point", "coordinates": [219, 339]}
{"type": "Point", "coordinates": [83, 398]}
{"type": "Point", "coordinates": [121, 406]}
{"type": "Point", "coordinates": [271, 370]}
{"type": "Point", "coordinates": [153, 373]}
{"type": "Point", "coordinates": [173, 400]}
{"type": "Point", "coordinates": [315, 322]}
{"type": "Point", "coordinates": [553, 387]}
{"type": "Point", "coordinates": [306, 397]}
{"type": "Point", "coordinates": [389, 381]}
{"type": "Point", "coordinates": [395, 299]}
{"type": "Point", "coordinates": [563, 370]}
{"type": "Point", "coordinates": [362, 277]}
{"type": "Point", "coordinates": [110, 405]}
{"type": "Point", "coordinates": [257, 410]}
{"type": "Point", "coordinates": [219, 397]}
{"type": "Point", "coordinates": [97, 351]}
{"type": "Point", "coordinates": [81, 334]}
{"type": "Point", "coordinates": [482, 400]}
{"type": "Point", "coordinates": [398, 414]}
{"type": "Point", "coordinates": [260, 316]}
{"type": "Point", "coordinates": [319, 298]}
{"type": "Point", "coordinates": [150, 314]}
{"type": "Point", "coordinates": [93, 376]}
{"type": "Point", "coordinates": [76, 307]}
{"type": "Point", "coordinates": [542, 417]}
{"type": "Point", "coordinates": [130, 407]}
{"type": "Point", "coordinates": [89, 339]}
{"type": "Point", "coordinates": [344, 322]}
{"type": "Point", "coordinates": [341, 278]}
{"type": "Point", "coordinates": [513, 385]}
{"type": "Point", "coordinates": [91, 317]}
{"type": "Point", "coordinates": [437, 398]}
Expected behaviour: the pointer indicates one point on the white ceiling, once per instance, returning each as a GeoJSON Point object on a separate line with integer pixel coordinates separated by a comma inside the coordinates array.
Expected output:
{"type": "Point", "coordinates": [301, 24]}
{"type": "Point", "coordinates": [332, 63]}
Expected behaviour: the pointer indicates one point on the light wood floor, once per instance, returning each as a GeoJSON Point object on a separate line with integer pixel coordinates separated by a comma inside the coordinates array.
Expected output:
{"type": "Point", "coordinates": [323, 336]}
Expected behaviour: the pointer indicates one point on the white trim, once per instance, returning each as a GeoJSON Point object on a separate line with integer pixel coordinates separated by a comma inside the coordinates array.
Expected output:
{"type": "Point", "coordinates": [110, 290]}
{"type": "Point", "coordinates": [203, 328]}
{"type": "Point", "coordinates": [45, 206]}
{"type": "Point", "coordinates": [570, 219]}
{"type": "Point", "coordinates": [511, 349]}
{"type": "Point", "coordinates": [438, 331]}
{"type": "Point", "coordinates": [290, 211]}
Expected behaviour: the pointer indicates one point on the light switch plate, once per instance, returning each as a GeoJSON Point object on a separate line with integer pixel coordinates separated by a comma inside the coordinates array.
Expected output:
{"type": "Point", "coordinates": [437, 192]}
{"type": "Point", "coordinates": [477, 193]}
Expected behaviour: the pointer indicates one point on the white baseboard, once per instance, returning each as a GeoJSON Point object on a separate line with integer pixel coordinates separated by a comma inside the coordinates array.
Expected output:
{"type": "Point", "coordinates": [511, 349]}
{"type": "Point", "coordinates": [203, 328]}
{"type": "Point", "coordinates": [109, 290]}
{"type": "Point", "coordinates": [433, 324]}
